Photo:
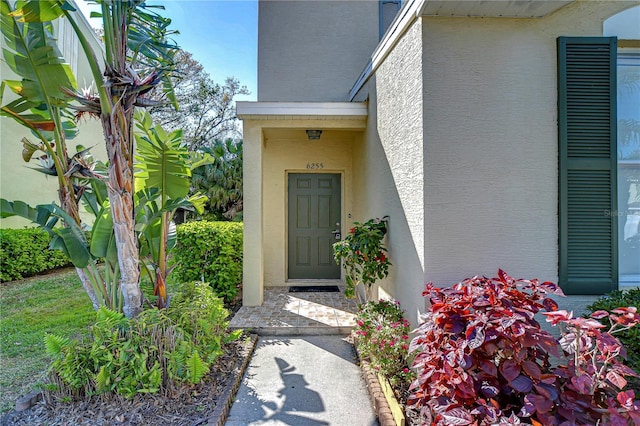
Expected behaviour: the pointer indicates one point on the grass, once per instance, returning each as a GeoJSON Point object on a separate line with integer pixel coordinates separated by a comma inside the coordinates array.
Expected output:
{"type": "Point", "coordinates": [29, 309]}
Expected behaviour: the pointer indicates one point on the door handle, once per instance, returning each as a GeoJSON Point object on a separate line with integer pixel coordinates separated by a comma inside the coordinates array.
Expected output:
{"type": "Point", "coordinates": [337, 234]}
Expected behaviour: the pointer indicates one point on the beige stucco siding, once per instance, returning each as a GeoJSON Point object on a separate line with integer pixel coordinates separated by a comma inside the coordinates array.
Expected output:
{"type": "Point", "coordinates": [376, 195]}
{"type": "Point", "coordinates": [400, 127]}
{"type": "Point", "coordinates": [490, 118]}
{"type": "Point", "coordinates": [313, 50]}
{"type": "Point", "coordinates": [288, 151]}
{"type": "Point", "coordinates": [388, 167]}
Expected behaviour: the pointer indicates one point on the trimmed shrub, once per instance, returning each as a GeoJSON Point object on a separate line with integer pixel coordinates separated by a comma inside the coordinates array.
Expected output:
{"type": "Point", "coordinates": [26, 252]}
{"type": "Point", "coordinates": [210, 252]}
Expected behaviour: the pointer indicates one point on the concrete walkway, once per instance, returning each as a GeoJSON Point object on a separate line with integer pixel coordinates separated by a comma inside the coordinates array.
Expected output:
{"type": "Point", "coordinates": [298, 314]}
{"type": "Point", "coordinates": [302, 380]}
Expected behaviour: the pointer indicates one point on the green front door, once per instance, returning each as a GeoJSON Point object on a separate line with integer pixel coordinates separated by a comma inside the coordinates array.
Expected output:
{"type": "Point", "coordinates": [314, 225]}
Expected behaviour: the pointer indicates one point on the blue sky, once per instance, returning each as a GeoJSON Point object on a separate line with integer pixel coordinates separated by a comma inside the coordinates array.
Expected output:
{"type": "Point", "coordinates": [221, 34]}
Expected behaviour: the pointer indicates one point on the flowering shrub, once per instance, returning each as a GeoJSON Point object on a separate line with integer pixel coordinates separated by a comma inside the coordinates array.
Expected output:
{"type": "Point", "coordinates": [383, 338]}
{"type": "Point", "coordinates": [363, 256]}
{"type": "Point", "coordinates": [481, 358]}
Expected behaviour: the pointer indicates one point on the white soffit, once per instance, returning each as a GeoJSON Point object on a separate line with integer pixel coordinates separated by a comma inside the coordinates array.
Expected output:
{"type": "Point", "coordinates": [301, 110]}
{"type": "Point", "coordinates": [493, 8]}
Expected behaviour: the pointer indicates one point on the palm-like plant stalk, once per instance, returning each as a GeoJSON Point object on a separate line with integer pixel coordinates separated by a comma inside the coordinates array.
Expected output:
{"type": "Point", "coordinates": [134, 37]}
{"type": "Point", "coordinates": [126, 23]}
{"type": "Point", "coordinates": [163, 176]}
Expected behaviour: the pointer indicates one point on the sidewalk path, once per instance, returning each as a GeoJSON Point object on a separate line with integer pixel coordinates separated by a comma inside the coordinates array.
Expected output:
{"type": "Point", "coordinates": [302, 380]}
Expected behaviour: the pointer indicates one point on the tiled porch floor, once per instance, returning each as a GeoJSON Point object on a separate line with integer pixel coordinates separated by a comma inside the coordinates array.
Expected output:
{"type": "Point", "coordinates": [284, 313]}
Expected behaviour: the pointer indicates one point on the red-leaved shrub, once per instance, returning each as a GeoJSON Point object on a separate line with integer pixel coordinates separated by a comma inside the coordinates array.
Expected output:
{"type": "Point", "coordinates": [482, 359]}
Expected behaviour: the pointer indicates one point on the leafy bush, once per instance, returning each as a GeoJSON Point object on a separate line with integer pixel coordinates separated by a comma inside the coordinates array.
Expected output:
{"type": "Point", "coordinates": [363, 256]}
{"type": "Point", "coordinates": [210, 252]}
{"type": "Point", "coordinates": [154, 351]}
{"type": "Point", "coordinates": [482, 358]}
{"type": "Point", "coordinates": [25, 252]}
{"type": "Point", "coordinates": [382, 335]}
{"type": "Point", "coordinates": [630, 338]}
{"type": "Point", "coordinates": [202, 316]}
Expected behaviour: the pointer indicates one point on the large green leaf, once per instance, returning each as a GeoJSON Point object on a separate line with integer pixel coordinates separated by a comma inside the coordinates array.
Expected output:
{"type": "Point", "coordinates": [102, 236]}
{"type": "Point", "coordinates": [72, 245]}
{"type": "Point", "coordinates": [32, 53]}
{"type": "Point", "coordinates": [75, 243]}
{"type": "Point", "coordinates": [199, 159]}
{"type": "Point", "coordinates": [38, 11]}
{"type": "Point", "coordinates": [41, 214]}
{"type": "Point", "coordinates": [70, 239]}
{"type": "Point", "coordinates": [162, 162]}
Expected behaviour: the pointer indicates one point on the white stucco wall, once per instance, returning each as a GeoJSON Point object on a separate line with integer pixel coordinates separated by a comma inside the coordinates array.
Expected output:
{"type": "Point", "coordinates": [289, 151]}
{"type": "Point", "coordinates": [313, 50]}
{"type": "Point", "coordinates": [490, 142]}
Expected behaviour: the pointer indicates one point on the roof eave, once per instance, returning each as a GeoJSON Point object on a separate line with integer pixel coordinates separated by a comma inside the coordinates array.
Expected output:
{"type": "Point", "coordinates": [301, 110]}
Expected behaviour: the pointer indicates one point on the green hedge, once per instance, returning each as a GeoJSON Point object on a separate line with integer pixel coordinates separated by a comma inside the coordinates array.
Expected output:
{"type": "Point", "coordinates": [213, 251]}
{"type": "Point", "coordinates": [25, 252]}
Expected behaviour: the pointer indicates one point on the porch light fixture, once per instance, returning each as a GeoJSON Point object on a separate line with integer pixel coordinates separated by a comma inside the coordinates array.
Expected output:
{"type": "Point", "coordinates": [314, 135]}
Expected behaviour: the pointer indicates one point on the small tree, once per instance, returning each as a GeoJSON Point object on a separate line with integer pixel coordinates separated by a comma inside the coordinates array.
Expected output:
{"type": "Point", "coordinates": [363, 257]}
{"type": "Point", "coordinates": [206, 112]}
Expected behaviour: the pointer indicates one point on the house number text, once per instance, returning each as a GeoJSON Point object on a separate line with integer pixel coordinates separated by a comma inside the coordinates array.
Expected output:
{"type": "Point", "coordinates": [315, 166]}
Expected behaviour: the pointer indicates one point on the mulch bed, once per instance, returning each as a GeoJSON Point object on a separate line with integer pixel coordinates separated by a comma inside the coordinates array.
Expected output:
{"type": "Point", "coordinates": [205, 403]}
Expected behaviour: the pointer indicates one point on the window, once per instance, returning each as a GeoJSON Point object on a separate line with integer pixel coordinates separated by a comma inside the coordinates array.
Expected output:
{"type": "Point", "coordinates": [628, 156]}
{"type": "Point", "coordinates": [388, 11]}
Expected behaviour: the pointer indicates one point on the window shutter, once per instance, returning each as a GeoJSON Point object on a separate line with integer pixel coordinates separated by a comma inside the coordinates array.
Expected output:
{"type": "Point", "coordinates": [588, 261]}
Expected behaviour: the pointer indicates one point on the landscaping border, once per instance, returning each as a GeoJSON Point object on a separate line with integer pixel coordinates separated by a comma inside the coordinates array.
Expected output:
{"type": "Point", "coordinates": [381, 406]}
{"type": "Point", "coordinates": [217, 417]}
{"type": "Point", "coordinates": [221, 412]}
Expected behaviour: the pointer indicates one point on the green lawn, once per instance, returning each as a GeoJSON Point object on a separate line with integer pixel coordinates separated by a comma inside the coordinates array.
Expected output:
{"type": "Point", "coordinates": [29, 309]}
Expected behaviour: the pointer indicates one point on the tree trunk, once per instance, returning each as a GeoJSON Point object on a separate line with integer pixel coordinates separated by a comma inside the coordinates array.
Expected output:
{"type": "Point", "coordinates": [117, 131]}
{"type": "Point", "coordinates": [86, 283]}
{"type": "Point", "coordinates": [70, 206]}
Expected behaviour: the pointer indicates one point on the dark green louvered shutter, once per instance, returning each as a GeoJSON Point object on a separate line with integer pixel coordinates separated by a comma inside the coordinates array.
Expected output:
{"type": "Point", "coordinates": [587, 164]}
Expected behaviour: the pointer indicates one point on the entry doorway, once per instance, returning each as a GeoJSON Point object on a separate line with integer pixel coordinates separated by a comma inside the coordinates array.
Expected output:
{"type": "Point", "coordinates": [314, 215]}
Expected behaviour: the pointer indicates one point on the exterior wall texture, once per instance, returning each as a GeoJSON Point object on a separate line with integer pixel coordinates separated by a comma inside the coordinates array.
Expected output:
{"type": "Point", "coordinates": [460, 148]}
{"type": "Point", "coordinates": [313, 50]}
{"type": "Point", "coordinates": [490, 143]}
{"type": "Point", "coordinates": [388, 167]}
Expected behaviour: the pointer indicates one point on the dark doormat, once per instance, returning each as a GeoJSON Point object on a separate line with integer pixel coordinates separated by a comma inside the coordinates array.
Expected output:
{"type": "Point", "coordinates": [314, 289]}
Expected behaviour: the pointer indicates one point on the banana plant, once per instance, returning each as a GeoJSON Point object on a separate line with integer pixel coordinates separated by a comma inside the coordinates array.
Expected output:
{"type": "Point", "coordinates": [70, 239]}
{"type": "Point", "coordinates": [137, 58]}
{"type": "Point", "coordinates": [39, 103]}
{"type": "Point", "coordinates": [163, 175]}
